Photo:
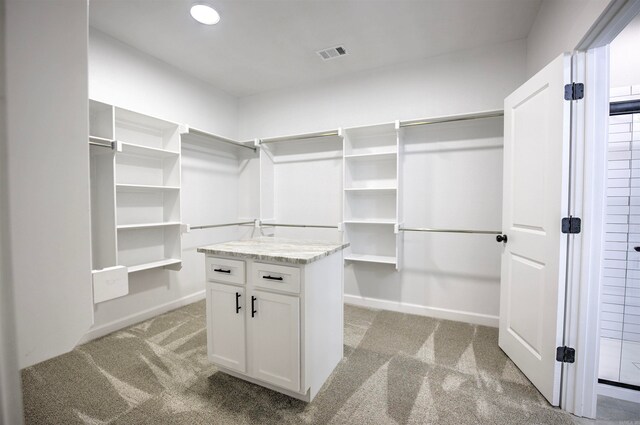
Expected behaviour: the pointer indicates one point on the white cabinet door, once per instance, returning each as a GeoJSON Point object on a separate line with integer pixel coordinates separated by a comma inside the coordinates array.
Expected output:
{"type": "Point", "coordinates": [535, 198]}
{"type": "Point", "coordinates": [275, 338]}
{"type": "Point", "coordinates": [226, 326]}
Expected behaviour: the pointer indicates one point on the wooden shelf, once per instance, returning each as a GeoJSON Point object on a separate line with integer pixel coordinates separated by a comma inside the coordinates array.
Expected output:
{"type": "Point", "coordinates": [153, 265]}
{"type": "Point", "coordinates": [148, 225]}
{"type": "Point", "coordinates": [144, 188]}
{"type": "Point", "coordinates": [382, 259]}
{"type": "Point", "coordinates": [371, 221]}
{"type": "Point", "coordinates": [140, 150]}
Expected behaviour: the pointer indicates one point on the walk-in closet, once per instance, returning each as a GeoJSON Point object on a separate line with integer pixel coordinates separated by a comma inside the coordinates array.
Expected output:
{"type": "Point", "coordinates": [320, 212]}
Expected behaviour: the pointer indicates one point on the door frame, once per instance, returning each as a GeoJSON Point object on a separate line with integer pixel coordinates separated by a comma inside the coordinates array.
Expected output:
{"type": "Point", "coordinates": [588, 201]}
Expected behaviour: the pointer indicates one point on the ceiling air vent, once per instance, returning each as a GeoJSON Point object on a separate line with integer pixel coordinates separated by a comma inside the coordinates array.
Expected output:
{"type": "Point", "coordinates": [332, 53]}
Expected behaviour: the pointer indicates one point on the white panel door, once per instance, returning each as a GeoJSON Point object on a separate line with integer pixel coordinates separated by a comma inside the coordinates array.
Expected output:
{"type": "Point", "coordinates": [226, 326]}
{"type": "Point", "coordinates": [275, 339]}
{"type": "Point", "coordinates": [535, 198]}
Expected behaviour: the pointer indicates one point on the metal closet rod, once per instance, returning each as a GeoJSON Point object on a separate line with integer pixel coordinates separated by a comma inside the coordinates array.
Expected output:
{"type": "Point", "coordinates": [210, 226]}
{"type": "Point", "coordinates": [428, 230]}
{"type": "Point", "coordinates": [219, 138]}
{"type": "Point", "coordinates": [101, 142]}
{"type": "Point", "coordinates": [493, 114]}
{"type": "Point", "coordinates": [317, 226]}
{"type": "Point", "coordinates": [624, 107]}
{"type": "Point", "coordinates": [301, 137]}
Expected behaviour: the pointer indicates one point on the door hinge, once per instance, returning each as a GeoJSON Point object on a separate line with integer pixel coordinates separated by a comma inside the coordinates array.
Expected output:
{"type": "Point", "coordinates": [566, 355]}
{"type": "Point", "coordinates": [571, 225]}
{"type": "Point", "coordinates": [573, 91]}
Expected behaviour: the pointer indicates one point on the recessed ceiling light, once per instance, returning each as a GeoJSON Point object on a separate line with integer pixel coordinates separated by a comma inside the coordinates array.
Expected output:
{"type": "Point", "coordinates": [205, 14]}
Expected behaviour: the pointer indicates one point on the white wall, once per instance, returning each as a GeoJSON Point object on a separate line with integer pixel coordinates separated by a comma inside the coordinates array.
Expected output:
{"type": "Point", "coordinates": [624, 57]}
{"type": "Point", "coordinates": [460, 82]}
{"type": "Point", "coordinates": [123, 76]}
{"type": "Point", "coordinates": [452, 175]}
{"type": "Point", "coordinates": [306, 177]}
{"type": "Point", "coordinates": [559, 27]}
{"type": "Point", "coordinates": [48, 159]}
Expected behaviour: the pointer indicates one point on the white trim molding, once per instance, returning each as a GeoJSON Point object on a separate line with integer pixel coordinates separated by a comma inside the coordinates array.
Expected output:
{"type": "Point", "coordinates": [580, 386]}
{"type": "Point", "coordinates": [141, 316]}
{"type": "Point", "coordinates": [421, 310]}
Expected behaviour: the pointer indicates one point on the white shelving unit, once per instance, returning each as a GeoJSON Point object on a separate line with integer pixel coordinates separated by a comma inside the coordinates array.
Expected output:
{"type": "Point", "coordinates": [371, 180]}
{"type": "Point", "coordinates": [135, 190]}
{"type": "Point", "coordinates": [147, 191]}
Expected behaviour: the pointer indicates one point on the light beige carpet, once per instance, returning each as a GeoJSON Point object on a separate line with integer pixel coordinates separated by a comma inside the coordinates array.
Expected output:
{"type": "Point", "coordinates": [398, 369]}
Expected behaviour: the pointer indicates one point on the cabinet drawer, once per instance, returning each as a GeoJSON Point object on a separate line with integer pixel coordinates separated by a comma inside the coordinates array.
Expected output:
{"type": "Point", "coordinates": [279, 278]}
{"type": "Point", "coordinates": [225, 270]}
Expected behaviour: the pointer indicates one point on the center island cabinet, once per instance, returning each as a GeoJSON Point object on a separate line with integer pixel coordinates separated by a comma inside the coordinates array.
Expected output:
{"type": "Point", "coordinates": [275, 311]}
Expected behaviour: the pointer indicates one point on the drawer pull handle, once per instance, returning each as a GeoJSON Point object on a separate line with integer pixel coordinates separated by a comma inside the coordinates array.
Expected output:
{"type": "Point", "coordinates": [272, 277]}
{"type": "Point", "coordinates": [238, 303]}
{"type": "Point", "coordinates": [222, 271]}
{"type": "Point", "coordinates": [253, 306]}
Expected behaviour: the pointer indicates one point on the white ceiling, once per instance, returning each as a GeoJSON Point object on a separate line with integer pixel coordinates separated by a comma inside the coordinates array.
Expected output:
{"type": "Point", "coordinates": [263, 45]}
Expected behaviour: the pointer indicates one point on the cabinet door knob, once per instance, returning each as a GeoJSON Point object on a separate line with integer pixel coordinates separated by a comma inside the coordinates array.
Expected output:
{"type": "Point", "coordinates": [501, 238]}
{"type": "Point", "coordinates": [637, 248]}
{"type": "Point", "coordinates": [253, 306]}
{"type": "Point", "coordinates": [238, 302]}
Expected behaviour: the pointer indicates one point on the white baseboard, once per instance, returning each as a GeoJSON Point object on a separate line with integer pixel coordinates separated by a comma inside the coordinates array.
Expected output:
{"type": "Point", "coordinates": [619, 393]}
{"type": "Point", "coordinates": [420, 310]}
{"type": "Point", "coordinates": [116, 325]}
{"type": "Point", "coordinates": [439, 313]}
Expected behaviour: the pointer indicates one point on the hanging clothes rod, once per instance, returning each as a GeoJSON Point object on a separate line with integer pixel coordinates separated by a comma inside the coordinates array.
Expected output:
{"type": "Point", "coordinates": [427, 230]}
{"type": "Point", "coordinates": [195, 131]}
{"type": "Point", "coordinates": [316, 226]}
{"type": "Point", "coordinates": [101, 142]}
{"type": "Point", "coordinates": [301, 137]}
{"type": "Point", "coordinates": [210, 226]}
{"type": "Point", "coordinates": [624, 107]}
{"type": "Point", "coordinates": [479, 115]}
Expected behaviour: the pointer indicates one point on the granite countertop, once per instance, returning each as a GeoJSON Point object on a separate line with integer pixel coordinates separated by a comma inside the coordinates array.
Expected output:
{"type": "Point", "coordinates": [282, 250]}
